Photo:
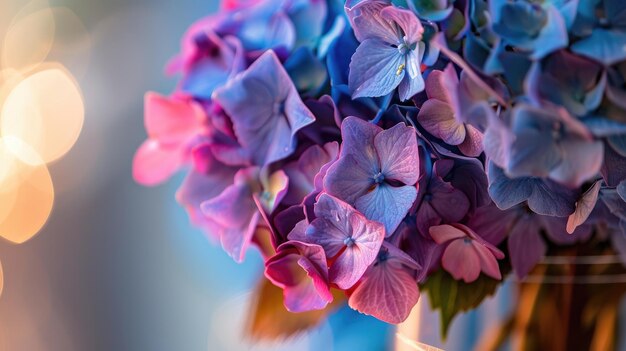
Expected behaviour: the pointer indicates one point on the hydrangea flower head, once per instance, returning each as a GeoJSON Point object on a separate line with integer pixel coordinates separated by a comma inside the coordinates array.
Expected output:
{"type": "Point", "coordinates": [390, 52]}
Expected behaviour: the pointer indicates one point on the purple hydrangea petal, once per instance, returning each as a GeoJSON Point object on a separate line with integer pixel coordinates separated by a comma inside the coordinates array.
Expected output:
{"type": "Point", "coordinates": [525, 245]}
{"type": "Point", "coordinates": [343, 231]}
{"type": "Point", "coordinates": [358, 137]}
{"type": "Point", "coordinates": [265, 109]}
{"type": "Point", "coordinates": [236, 213]}
{"type": "Point", "coordinates": [349, 179]}
{"type": "Point", "coordinates": [397, 152]}
{"type": "Point", "coordinates": [376, 69]}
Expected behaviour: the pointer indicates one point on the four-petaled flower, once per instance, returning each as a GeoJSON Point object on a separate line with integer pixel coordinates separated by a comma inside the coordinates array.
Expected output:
{"type": "Point", "coordinates": [350, 240]}
{"type": "Point", "coordinates": [265, 109]}
{"type": "Point", "coordinates": [390, 51]}
{"type": "Point", "coordinates": [376, 171]}
{"type": "Point", "coordinates": [466, 254]}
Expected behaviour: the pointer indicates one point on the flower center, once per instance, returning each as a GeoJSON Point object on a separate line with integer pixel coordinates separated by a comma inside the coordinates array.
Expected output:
{"type": "Point", "coordinates": [467, 241]}
{"type": "Point", "coordinates": [379, 178]}
{"type": "Point", "coordinates": [557, 130]}
{"type": "Point", "coordinates": [279, 108]}
{"type": "Point", "coordinates": [404, 46]}
{"type": "Point", "coordinates": [349, 242]}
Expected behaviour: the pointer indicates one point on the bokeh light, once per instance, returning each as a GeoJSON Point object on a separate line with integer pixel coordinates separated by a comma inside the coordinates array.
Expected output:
{"type": "Point", "coordinates": [26, 191]}
{"type": "Point", "coordinates": [46, 111]}
{"type": "Point", "coordinates": [35, 28]}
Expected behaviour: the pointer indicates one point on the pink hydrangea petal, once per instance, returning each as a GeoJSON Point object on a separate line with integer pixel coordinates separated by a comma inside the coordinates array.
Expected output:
{"type": "Point", "coordinates": [367, 22]}
{"type": "Point", "coordinates": [300, 270]}
{"type": "Point", "coordinates": [171, 120]}
{"type": "Point", "coordinates": [348, 268]}
{"type": "Point", "coordinates": [347, 236]}
{"type": "Point", "coordinates": [388, 291]}
{"type": "Point", "coordinates": [472, 146]}
{"type": "Point", "coordinates": [461, 260]}
{"type": "Point", "coordinates": [445, 232]}
{"type": "Point", "coordinates": [584, 206]}
{"type": "Point", "coordinates": [441, 85]}
{"type": "Point", "coordinates": [438, 119]}
{"type": "Point", "coordinates": [471, 234]}
{"type": "Point", "coordinates": [488, 262]}
{"type": "Point", "coordinates": [406, 20]}
{"type": "Point", "coordinates": [155, 163]}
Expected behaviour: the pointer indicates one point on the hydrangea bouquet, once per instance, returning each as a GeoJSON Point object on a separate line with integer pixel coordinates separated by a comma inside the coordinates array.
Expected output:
{"type": "Point", "coordinates": [371, 149]}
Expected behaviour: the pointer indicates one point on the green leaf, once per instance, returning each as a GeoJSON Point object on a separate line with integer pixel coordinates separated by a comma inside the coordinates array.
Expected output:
{"type": "Point", "coordinates": [451, 296]}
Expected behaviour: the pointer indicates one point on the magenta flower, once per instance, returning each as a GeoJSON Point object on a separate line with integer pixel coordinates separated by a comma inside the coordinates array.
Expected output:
{"type": "Point", "coordinates": [390, 51]}
{"type": "Point", "coordinates": [466, 254]}
{"type": "Point", "coordinates": [173, 125]}
{"type": "Point", "coordinates": [300, 270]}
{"type": "Point", "coordinates": [376, 171]}
{"type": "Point", "coordinates": [265, 109]}
{"type": "Point", "coordinates": [441, 114]}
{"type": "Point", "coordinates": [350, 240]}
{"type": "Point", "coordinates": [388, 289]}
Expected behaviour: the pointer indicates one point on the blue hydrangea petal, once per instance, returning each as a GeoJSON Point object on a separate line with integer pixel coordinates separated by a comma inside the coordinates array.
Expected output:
{"type": "Point", "coordinates": [607, 46]}
{"type": "Point", "coordinates": [387, 204]}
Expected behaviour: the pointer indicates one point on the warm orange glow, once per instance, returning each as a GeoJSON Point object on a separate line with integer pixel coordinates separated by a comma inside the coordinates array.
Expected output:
{"type": "Point", "coordinates": [409, 329]}
{"type": "Point", "coordinates": [46, 111]}
{"type": "Point", "coordinates": [26, 191]}
{"type": "Point", "coordinates": [28, 39]}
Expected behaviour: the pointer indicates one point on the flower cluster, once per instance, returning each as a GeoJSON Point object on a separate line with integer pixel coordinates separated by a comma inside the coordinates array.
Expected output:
{"type": "Point", "coordinates": [373, 143]}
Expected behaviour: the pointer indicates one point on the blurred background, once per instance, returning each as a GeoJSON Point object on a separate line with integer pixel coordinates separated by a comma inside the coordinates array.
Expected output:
{"type": "Point", "coordinates": [118, 266]}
